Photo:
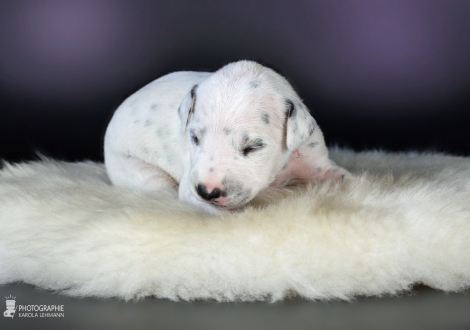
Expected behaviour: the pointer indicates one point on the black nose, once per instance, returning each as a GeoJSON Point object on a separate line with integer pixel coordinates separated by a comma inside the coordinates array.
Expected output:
{"type": "Point", "coordinates": [202, 191]}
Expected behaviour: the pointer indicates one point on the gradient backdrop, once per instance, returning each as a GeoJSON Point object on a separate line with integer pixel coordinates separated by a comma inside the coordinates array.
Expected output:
{"type": "Point", "coordinates": [376, 74]}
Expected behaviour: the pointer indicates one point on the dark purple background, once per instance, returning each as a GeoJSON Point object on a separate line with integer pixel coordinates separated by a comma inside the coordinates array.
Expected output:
{"type": "Point", "coordinates": [375, 74]}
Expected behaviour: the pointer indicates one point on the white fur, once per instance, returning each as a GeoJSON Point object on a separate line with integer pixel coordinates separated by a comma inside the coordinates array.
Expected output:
{"type": "Point", "coordinates": [150, 141]}
{"type": "Point", "coordinates": [63, 227]}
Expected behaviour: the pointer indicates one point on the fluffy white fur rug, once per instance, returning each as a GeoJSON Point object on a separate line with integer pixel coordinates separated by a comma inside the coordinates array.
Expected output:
{"type": "Point", "coordinates": [404, 221]}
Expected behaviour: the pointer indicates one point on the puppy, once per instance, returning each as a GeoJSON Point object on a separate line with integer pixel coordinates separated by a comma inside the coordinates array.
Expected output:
{"type": "Point", "coordinates": [217, 139]}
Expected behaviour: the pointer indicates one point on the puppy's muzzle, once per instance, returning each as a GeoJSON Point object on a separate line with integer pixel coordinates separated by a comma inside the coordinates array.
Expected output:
{"type": "Point", "coordinates": [211, 196]}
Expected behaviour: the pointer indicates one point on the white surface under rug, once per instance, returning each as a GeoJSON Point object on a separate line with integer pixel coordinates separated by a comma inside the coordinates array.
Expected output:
{"type": "Point", "coordinates": [405, 221]}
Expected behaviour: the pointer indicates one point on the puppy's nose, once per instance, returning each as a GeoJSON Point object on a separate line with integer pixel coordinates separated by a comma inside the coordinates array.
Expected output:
{"type": "Point", "coordinates": [202, 191]}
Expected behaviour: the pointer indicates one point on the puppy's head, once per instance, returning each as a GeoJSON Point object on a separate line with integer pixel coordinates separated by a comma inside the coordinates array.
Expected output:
{"type": "Point", "coordinates": [241, 124]}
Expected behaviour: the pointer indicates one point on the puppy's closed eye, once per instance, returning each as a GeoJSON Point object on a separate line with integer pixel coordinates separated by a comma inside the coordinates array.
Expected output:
{"type": "Point", "coordinates": [255, 145]}
{"type": "Point", "coordinates": [197, 136]}
{"type": "Point", "coordinates": [195, 139]}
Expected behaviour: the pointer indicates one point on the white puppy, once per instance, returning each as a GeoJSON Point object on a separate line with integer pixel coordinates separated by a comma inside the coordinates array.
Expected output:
{"type": "Point", "coordinates": [218, 138]}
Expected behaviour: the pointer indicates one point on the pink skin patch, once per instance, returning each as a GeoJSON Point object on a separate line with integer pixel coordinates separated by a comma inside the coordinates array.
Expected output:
{"type": "Point", "coordinates": [296, 153]}
{"type": "Point", "coordinates": [221, 201]}
{"type": "Point", "coordinates": [300, 169]}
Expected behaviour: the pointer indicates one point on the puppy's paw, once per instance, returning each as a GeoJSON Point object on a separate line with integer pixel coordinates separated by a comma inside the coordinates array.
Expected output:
{"type": "Point", "coordinates": [337, 174]}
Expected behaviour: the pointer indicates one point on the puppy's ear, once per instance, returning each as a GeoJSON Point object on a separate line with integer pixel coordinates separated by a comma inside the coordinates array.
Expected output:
{"type": "Point", "coordinates": [300, 124]}
{"type": "Point", "coordinates": [186, 108]}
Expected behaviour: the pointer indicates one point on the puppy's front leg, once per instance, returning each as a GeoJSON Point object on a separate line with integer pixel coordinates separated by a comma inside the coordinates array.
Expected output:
{"type": "Point", "coordinates": [313, 165]}
{"type": "Point", "coordinates": [307, 164]}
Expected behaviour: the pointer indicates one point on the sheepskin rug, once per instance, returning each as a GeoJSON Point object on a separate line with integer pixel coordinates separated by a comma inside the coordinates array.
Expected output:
{"type": "Point", "coordinates": [404, 219]}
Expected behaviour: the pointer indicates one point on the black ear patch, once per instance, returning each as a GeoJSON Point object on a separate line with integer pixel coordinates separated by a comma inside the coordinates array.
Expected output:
{"type": "Point", "coordinates": [290, 111]}
{"type": "Point", "coordinates": [193, 92]}
{"type": "Point", "coordinates": [193, 104]}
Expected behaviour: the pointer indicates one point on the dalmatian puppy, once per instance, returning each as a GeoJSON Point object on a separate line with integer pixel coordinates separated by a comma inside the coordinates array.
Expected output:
{"type": "Point", "coordinates": [217, 139]}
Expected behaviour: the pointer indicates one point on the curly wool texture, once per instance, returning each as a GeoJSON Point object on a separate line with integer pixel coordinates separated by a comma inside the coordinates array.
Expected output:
{"type": "Point", "coordinates": [404, 219]}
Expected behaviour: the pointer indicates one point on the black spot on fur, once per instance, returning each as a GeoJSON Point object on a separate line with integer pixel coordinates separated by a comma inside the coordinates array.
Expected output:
{"type": "Point", "coordinates": [148, 123]}
{"type": "Point", "coordinates": [227, 131]}
{"type": "Point", "coordinates": [290, 111]}
{"type": "Point", "coordinates": [255, 83]}
{"type": "Point", "coordinates": [311, 129]}
{"type": "Point", "coordinates": [265, 117]}
{"type": "Point", "coordinates": [313, 144]}
{"type": "Point", "coordinates": [211, 169]}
